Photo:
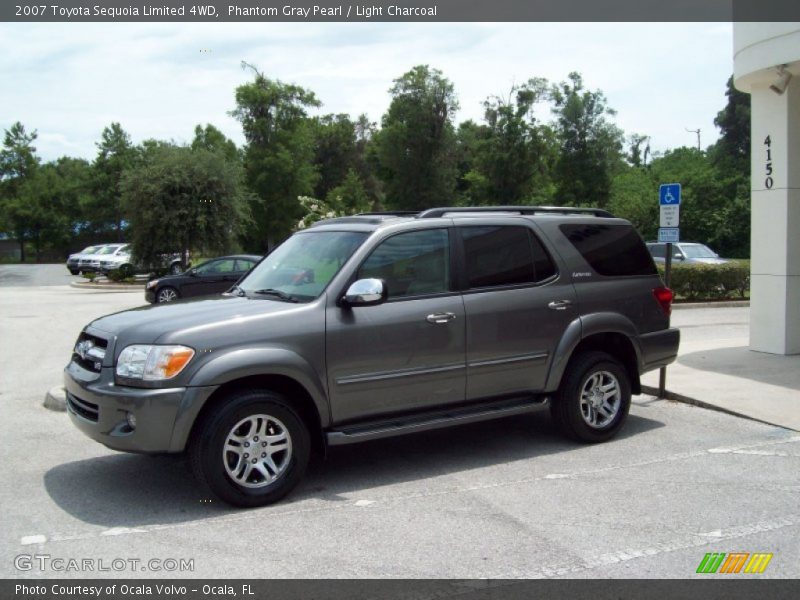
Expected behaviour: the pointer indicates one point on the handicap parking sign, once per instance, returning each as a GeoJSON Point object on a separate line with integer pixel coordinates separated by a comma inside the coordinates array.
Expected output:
{"type": "Point", "coordinates": [669, 194]}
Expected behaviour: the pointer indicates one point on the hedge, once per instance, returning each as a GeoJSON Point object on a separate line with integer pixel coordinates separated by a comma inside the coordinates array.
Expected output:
{"type": "Point", "coordinates": [710, 282]}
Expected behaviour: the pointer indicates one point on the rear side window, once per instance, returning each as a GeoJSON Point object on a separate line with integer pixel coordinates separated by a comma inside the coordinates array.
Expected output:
{"type": "Point", "coordinates": [611, 250]}
{"type": "Point", "coordinates": [499, 256]}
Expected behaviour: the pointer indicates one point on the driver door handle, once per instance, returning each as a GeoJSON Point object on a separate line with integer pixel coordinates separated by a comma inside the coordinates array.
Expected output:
{"type": "Point", "coordinates": [559, 304]}
{"type": "Point", "coordinates": [438, 318]}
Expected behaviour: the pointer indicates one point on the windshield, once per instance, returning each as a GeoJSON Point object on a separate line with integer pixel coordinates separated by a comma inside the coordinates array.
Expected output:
{"type": "Point", "coordinates": [697, 251]}
{"type": "Point", "coordinates": [90, 249]}
{"type": "Point", "coordinates": [109, 249]}
{"type": "Point", "coordinates": [303, 265]}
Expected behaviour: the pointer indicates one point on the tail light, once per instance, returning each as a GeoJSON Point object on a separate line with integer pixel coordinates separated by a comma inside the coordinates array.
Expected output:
{"type": "Point", "coordinates": [664, 297]}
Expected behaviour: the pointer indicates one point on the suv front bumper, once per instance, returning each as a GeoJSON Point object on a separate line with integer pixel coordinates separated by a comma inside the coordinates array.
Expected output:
{"type": "Point", "coordinates": [99, 408]}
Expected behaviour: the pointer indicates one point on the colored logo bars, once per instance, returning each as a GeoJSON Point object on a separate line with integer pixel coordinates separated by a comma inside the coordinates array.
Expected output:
{"type": "Point", "coordinates": [734, 562]}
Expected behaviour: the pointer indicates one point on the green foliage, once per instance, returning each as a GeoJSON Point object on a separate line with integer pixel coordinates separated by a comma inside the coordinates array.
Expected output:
{"type": "Point", "coordinates": [18, 163]}
{"type": "Point", "coordinates": [279, 155]}
{"type": "Point", "coordinates": [415, 147]}
{"type": "Point", "coordinates": [212, 139]}
{"type": "Point", "coordinates": [710, 282]}
{"type": "Point", "coordinates": [509, 157]}
{"type": "Point", "coordinates": [115, 155]}
{"type": "Point", "coordinates": [591, 146]}
{"type": "Point", "coordinates": [180, 198]}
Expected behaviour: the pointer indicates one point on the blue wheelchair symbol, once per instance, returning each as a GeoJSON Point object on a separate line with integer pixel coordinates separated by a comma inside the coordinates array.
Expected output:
{"type": "Point", "coordinates": [669, 194]}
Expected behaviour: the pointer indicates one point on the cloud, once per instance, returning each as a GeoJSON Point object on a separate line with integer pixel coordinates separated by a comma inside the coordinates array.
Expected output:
{"type": "Point", "coordinates": [69, 81]}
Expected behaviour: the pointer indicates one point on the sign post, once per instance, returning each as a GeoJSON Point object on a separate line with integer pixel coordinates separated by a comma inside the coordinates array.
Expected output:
{"type": "Point", "coordinates": [669, 202]}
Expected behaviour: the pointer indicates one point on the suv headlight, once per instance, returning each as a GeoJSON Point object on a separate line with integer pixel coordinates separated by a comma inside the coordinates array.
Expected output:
{"type": "Point", "coordinates": [153, 363]}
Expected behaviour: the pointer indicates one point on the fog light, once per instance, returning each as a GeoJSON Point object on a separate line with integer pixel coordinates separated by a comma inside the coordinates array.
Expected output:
{"type": "Point", "coordinates": [131, 419]}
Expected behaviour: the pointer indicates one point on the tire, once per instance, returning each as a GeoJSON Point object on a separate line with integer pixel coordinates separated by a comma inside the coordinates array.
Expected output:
{"type": "Point", "coordinates": [581, 408]}
{"type": "Point", "coordinates": [167, 294]}
{"type": "Point", "coordinates": [217, 449]}
{"type": "Point", "coordinates": [73, 272]}
{"type": "Point", "coordinates": [175, 268]}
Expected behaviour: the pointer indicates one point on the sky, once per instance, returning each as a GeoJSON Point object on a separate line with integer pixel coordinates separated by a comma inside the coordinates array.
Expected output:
{"type": "Point", "coordinates": [69, 80]}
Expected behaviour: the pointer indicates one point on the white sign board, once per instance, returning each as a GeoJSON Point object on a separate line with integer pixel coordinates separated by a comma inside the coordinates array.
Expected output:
{"type": "Point", "coordinates": [669, 201]}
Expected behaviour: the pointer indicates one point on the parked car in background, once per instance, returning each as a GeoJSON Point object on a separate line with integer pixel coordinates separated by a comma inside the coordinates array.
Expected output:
{"type": "Point", "coordinates": [89, 262]}
{"type": "Point", "coordinates": [121, 259]}
{"type": "Point", "coordinates": [212, 277]}
{"type": "Point", "coordinates": [686, 253]}
{"type": "Point", "coordinates": [112, 254]}
{"type": "Point", "coordinates": [73, 260]}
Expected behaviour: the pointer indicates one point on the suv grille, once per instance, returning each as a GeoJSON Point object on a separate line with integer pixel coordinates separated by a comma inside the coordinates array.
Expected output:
{"type": "Point", "coordinates": [85, 409]}
{"type": "Point", "coordinates": [89, 352]}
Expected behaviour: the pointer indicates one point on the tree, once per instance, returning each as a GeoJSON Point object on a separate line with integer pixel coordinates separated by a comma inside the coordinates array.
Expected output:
{"type": "Point", "coordinates": [115, 155]}
{"type": "Point", "coordinates": [591, 146]}
{"type": "Point", "coordinates": [349, 197]}
{"type": "Point", "coordinates": [279, 155]}
{"type": "Point", "coordinates": [732, 150]}
{"type": "Point", "coordinates": [510, 156]}
{"type": "Point", "coordinates": [180, 198]}
{"type": "Point", "coordinates": [212, 139]}
{"type": "Point", "coordinates": [334, 151]}
{"type": "Point", "coordinates": [416, 146]}
{"type": "Point", "coordinates": [18, 163]}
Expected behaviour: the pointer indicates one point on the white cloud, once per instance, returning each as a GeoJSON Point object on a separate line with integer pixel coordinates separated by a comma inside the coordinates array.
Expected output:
{"type": "Point", "coordinates": [68, 81]}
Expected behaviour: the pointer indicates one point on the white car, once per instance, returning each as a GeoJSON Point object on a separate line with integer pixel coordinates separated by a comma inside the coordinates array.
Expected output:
{"type": "Point", "coordinates": [111, 256]}
{"type": "Point", "coordinates": [73, 260]}
{"type": "Point", "coordinates": [121, 259]}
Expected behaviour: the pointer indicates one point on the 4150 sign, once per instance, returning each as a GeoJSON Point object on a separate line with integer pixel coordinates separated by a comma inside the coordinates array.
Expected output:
{"type": "Point", "coordinates": [768, 182]}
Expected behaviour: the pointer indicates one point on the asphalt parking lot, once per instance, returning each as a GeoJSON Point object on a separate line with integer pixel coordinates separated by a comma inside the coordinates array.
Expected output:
{"type": "Point", "coordinates": [505, 499]}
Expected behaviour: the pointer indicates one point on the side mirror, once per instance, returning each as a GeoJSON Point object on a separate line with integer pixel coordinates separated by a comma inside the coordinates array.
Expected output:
{"type": "Point", "coordinates": [193, 272]}
{"type": "Point", "coordinates": [365, 292]}
{"type": "Point", "coordinates": [677, 256]}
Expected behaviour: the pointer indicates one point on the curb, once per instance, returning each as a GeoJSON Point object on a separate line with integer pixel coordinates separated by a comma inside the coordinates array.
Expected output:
{"type": "Point", "coordinates": [653, 391]}
{"type": "Point", "coordinates": [112, 287]}
{"type": "Point", "coordinates": [56, 399]}
{"type": "Point", "coordinates": [725, 304]}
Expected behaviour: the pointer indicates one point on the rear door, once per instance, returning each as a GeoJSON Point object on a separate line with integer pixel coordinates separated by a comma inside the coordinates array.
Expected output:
{"type": "Point", "coordinates": [517, 307]}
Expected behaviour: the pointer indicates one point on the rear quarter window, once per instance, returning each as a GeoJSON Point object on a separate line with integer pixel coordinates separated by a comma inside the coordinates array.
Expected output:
{"type": "Point", "coordinates": [611, 250]}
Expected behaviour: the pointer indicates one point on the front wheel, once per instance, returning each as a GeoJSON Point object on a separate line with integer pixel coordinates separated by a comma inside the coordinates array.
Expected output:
{"type": "Point", "coordinates": [167, 294]}
{"type": "Point", "coordinates": [253, 450]}
{"type": "Point", "coordinates": [594, 398]}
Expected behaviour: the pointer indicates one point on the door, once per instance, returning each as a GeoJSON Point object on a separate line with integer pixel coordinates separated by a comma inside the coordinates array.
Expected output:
{"type": "Point", "coordinates": [516, 308]}
{"type": "Point", "coordinates": [406, 354]}
{"type": "Point", "coordinates": [213, 277]}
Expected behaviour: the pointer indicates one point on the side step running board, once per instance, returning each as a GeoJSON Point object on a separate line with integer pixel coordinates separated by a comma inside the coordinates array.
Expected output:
{"type": "Point", "coordinates": [447, 418]}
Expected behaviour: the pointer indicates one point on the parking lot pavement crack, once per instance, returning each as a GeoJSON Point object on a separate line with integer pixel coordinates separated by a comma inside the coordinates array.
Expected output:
{"type": "Point", "coordinates": [684, 542]}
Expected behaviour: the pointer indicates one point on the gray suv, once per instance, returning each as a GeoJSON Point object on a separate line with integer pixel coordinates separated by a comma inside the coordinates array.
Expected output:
{"type": "Point", "coordinates": [377, 325]}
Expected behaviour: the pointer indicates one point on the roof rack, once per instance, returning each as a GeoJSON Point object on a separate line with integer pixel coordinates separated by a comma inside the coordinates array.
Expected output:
{"type": "Point", "coordinates": [521, 210]}
{"type": "Point", "coordinates": [365, 218]}
{"type": "Point", "coordinates": [390, 213]}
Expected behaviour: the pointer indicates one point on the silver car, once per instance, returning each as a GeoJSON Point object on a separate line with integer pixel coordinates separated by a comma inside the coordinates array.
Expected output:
{"type": "Point", "coordinates": [686, 253]}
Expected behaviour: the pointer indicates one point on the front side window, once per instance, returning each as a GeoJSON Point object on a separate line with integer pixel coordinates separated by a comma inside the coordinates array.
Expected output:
{"type": "Point", "coordinates": [416, 263]}
{"type": "Point", "coordinates": [301, 268]}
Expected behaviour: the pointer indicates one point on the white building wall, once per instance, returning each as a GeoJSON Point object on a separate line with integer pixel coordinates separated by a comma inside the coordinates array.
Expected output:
{"type": "Point", "coordinates": [760, 49]}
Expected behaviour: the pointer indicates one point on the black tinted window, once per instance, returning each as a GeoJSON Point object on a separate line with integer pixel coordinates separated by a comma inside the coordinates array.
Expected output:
{"type": "Point", "coordinates": [497, 256]}
{"type": "Point", "coordinates": [611, 250]}
{"type": "Point", "coordinates": [658, 250]}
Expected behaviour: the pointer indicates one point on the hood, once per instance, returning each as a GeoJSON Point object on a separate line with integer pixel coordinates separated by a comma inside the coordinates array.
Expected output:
{"type": "Point", "coordinates": [195, 322]}
{"type": "Point", "coordinates": [710, 261]}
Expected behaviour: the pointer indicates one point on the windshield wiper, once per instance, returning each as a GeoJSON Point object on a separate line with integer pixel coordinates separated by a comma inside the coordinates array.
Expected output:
{"type": "Point", "coordinates": [237, 290]}
{"type": "Point", "coordinates": [277, 293]}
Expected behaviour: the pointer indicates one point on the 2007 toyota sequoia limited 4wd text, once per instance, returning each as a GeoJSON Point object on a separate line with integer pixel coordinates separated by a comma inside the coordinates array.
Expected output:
{"type": "Point", "coordinates": [377, 325]}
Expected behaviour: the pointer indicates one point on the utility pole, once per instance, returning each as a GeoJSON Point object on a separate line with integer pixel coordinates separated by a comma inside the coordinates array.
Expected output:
{"type": "Point", "coordinates": [697, 131]}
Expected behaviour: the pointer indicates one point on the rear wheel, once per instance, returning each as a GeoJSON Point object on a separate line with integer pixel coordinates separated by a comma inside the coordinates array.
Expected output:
{"type": "Point", "coordinates": [74, 271]}
{"type": "Point", "coordinates": [594, 398]}
{"type": "Point", "coordinates": [253, 451]}
{"type": "Point", "coordinates": [167, 294]}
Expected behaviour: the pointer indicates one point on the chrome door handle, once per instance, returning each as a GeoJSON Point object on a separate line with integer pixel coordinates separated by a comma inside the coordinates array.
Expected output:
{"type": "Point", "coordinates": [559, 304]}
{"type": "Point", "coordinates": [440, 317]}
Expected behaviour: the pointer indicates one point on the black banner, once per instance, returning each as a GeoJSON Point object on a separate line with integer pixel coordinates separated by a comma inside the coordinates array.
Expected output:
{"type": "Point", "coordinates": [399, 10]}
{"type": "Point", "coordinates": [420, 589]}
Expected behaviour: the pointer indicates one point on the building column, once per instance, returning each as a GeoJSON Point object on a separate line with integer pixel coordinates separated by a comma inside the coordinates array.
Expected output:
{"type": "Point", "coordinates": [775, 232]}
